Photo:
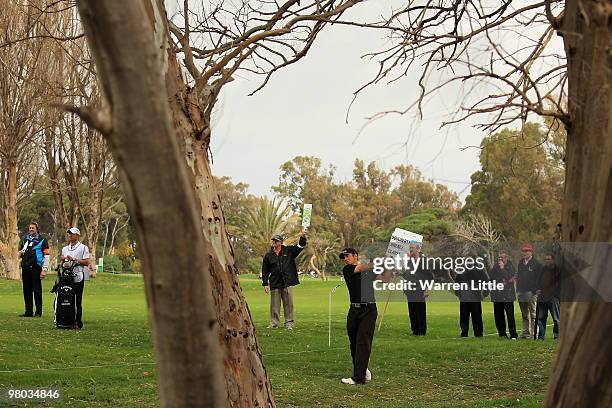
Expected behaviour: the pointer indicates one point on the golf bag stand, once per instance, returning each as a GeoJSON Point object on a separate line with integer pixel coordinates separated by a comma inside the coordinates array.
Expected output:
{"type": "Point", "coordinates": [535, 324]}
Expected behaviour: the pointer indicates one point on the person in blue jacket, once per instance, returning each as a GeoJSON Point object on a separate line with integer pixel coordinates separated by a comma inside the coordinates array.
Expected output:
{"type": "Point", "coordinates": [34, 253]}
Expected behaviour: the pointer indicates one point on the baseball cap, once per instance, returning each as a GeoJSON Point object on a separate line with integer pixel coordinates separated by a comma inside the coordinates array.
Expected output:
{"type": "Point", "coordinates": [347, 251]}
{"type": "Point", "coordinates": [74, 230]}
{"type": "Point", "coordinates": [277, 237]}
{"type": "Point", "coordinates": [527, 247]}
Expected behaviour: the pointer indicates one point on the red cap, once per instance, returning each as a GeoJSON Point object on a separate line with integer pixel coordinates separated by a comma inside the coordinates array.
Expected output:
{"type": "Point", "coordinates": [527, 247]}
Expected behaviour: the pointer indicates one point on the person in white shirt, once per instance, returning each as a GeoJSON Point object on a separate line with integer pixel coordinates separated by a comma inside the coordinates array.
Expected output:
{"type": "Point", "coordinates": [78, 252]}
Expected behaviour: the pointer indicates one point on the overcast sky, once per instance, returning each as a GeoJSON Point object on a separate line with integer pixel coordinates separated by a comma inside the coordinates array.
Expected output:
{"type": "Point", "coordinates": [303, 108]}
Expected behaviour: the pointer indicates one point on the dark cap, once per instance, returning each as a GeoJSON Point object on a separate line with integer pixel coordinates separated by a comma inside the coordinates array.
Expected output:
{"type": "Point", "coordinates": [277, 237]}
{"type": "Point", "coordinates": [347, 251]}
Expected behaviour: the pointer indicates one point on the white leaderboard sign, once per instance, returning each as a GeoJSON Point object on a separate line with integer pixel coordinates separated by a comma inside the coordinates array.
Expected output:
{"type": "Point", "coordinates": [400, 242]}
{"type": "Point", "coordinates": [306, 215]}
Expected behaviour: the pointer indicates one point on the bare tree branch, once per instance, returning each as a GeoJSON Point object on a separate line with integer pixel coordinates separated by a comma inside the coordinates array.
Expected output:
{"type": "Point", "coordinates": [95, 118]}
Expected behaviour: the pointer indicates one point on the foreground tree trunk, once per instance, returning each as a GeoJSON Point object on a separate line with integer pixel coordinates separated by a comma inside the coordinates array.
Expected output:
{"type": "Point", "coordinates": [10, 246]}
{"type": "Point", "coordinates": [583, 371]}
{"type": "Point", "coordinates": [246, 379]}
{"type": "Point", "coordinates": [128, 43]}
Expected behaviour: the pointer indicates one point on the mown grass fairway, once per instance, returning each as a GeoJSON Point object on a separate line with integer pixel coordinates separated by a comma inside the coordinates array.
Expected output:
{"type": "Point", "coordinates": [114, 351]}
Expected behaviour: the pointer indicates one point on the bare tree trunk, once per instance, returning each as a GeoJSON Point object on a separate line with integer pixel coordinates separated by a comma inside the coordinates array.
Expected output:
{"type": "Point", "coordinates": [105, 238]}
{"type": "Point", "coordinates": [245, 375]}
{"type": "Point", "coordinates": [113, 234]}
{"type": "Point", "coordinates": [321, 273]}
{"type": "Point", "coordinates": [116, 231]}
{"type": "Point", "coordinates": [246, 379]}
{"type": "Point", "coordinates": [583, 371]}
{"type": "Point", "coordinates": [96, 174]}
{"type": "Point", "coordinates": [60, 217]}
{"type": "Point", "coordinates": [311, 263]}
{"type": "Point", "coordinates": [128, 41]}
{"type": "Point", "coordinates": [93, 227]}
{"type": "Point", "coordinates": [10, 248]}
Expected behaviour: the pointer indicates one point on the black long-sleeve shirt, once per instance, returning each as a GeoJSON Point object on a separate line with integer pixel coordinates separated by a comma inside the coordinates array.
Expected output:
{"type": "Point", "coordinates": [280, 271]}
{"type": "Point", "coordinates": [528, 275]}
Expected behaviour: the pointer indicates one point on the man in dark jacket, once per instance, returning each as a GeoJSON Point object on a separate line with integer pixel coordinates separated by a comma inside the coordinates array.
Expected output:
{"type": "Point", "coordinates": [549, 289]}
{"type": "Point", "coordinates": [470, 299]}
{"type": "Point", "coordinates": [34, 253]}
{"type": "Point", "coordinates": [527, 278]}
{"type": "Point", "coordinates": [503, 300]}
{"type": "Point", "coordinates": [279, 274]}
{"type": "Point", "coordinates": [416, 297]}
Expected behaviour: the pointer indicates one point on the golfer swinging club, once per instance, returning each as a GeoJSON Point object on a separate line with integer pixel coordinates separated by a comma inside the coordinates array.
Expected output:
{"type": "Point", "coordinates": [361, 318]}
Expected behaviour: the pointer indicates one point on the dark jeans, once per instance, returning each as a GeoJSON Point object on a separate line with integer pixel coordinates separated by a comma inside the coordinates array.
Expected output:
{"type": "Point", "coordinates": [417, 311]}
{"type": "Point", "coordinates": [360, 324]}
{"type": "Point", "coordinates": [78, 293]}
{"type": "Point", "coordinates": [555, 310]}
{"type": "Point", "coordinates": [502, 310]}
{"type": "Point", "coordinates": [465, 310]}
{"type": "Point", "coordinates": [30, 276]}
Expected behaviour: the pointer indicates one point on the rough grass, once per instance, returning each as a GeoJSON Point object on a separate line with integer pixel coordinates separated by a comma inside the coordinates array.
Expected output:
{"type": "Point", "coordinates": [111, 363]}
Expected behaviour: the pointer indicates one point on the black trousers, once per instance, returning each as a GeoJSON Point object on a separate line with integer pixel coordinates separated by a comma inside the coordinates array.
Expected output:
{"type": "Point", "coordinates": [78, 293]}
{"type": "Point", "coordinates": [475, 310]}
{"type": "Point", "coordinates": [503, 310]}
{"type": "Point", "coordinates": [360, 324]}
{"type": "Point", "coordinates": [30, 277]}
{"type": "Point", "coordinates": [417, 311]}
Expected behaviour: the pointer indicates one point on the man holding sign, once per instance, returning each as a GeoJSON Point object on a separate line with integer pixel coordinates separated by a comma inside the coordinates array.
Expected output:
{"type": "Point", "coordinates": [279, 274]}
{"type": "Point", "coordinates": [404, 243]}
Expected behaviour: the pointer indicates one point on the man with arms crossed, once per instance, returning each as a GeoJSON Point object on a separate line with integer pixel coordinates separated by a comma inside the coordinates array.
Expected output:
{"type": "Point", "coordinates": [34, 253]}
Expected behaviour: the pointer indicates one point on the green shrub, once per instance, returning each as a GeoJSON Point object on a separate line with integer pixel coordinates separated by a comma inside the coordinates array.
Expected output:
{"type": "Point", "coordinates": [112, 264]}
{"type": "Point", "coordinates": [136, 266]}
{"type": "Point", "coordinates": [253, 265]}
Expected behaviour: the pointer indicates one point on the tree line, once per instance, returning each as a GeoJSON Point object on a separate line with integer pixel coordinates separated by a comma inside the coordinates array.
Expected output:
{"type": "Point", "coordinates": [517, 192]}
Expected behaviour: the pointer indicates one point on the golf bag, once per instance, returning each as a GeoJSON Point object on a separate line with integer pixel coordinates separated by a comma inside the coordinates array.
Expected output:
{"type": "Point", "coordinates": [64, 305]}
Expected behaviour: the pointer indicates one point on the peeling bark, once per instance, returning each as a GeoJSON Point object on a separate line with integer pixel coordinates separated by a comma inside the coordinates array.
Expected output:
{"type": "Point", "coordinates": [128, 51]}
{"type": "Point", "coordinates": [10, 246]}
{"type": "Point", "coordinates": [247, 382]}
{"type": "Point", "coordinates": [583, 370]}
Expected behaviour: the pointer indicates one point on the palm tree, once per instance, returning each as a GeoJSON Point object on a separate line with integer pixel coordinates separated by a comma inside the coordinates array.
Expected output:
{"type": "Point", "coordinates": [257, 225]}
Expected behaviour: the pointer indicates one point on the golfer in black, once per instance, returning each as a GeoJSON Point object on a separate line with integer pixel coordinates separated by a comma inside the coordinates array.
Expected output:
{"type": "Point", "coordinates": [361, 318]}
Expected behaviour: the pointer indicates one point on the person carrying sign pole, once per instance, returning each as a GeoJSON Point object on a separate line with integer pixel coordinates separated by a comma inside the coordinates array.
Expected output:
{"type": "Point", "coordinates": [279, 274]}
